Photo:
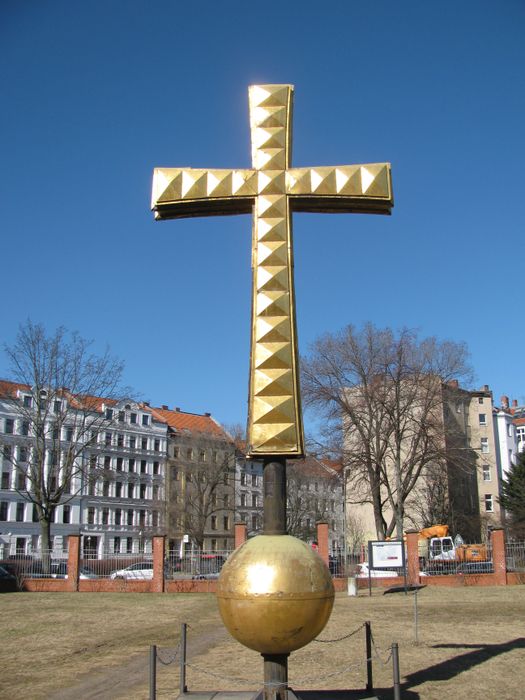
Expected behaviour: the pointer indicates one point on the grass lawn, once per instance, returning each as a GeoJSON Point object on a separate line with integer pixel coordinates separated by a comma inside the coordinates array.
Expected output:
{"type": "Point", "coordinates": [76, 646]}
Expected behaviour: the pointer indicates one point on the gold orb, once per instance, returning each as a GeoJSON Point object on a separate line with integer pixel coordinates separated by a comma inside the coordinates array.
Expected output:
{"type": "Point", "coordinates": [275, 594]}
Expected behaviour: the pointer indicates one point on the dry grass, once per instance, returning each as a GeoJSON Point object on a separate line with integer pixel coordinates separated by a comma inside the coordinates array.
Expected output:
{"type": "Point", "coordinates": [471, 643]}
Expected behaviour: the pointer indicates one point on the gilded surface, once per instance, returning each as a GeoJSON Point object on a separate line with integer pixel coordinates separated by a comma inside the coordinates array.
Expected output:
{"type": "Point", "coordinates": [275, 594]}
{"type": "Point", "coordinates": [272, 190]}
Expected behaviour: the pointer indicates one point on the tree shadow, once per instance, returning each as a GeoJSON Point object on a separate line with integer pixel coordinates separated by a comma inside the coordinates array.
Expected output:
{"type": "Point", "coordinates": [445, 670]}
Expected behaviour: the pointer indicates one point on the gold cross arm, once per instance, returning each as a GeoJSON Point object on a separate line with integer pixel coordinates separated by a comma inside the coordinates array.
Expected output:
{"type": "Point", "coordinates": [272, 190]}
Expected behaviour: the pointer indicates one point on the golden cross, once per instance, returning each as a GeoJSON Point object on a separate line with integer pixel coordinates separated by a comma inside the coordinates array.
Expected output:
{"type": "Point", "coordinates": [272, 190]}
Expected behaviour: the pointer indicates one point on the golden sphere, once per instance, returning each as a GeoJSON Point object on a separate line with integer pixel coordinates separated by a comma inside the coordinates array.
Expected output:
{"type": "Point", "coordinates": [275, 594]}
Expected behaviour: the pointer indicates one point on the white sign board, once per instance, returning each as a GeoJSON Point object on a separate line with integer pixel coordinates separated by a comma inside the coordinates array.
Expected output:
{"type": "Point", "coordinates": [385, 555]}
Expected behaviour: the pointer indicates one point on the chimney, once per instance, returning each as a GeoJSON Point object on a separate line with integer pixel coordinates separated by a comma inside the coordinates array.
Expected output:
{"type": "Point", "coordinates": [514, 403]}
{"type": "Point", "coordinates": [504, 402]}
{"type": "Point", "coordinates": [177, 408]}
{"type": "Point", "coordinates": [164, 407]}
{"type": "Point", "coordinates": [454, 383]}
{"type": "Point", "coordinates": [207, 415]}
{"type": "Point", "coordinates": [146, 403]}
{"type": "Point", "coordinates": [485, 387]}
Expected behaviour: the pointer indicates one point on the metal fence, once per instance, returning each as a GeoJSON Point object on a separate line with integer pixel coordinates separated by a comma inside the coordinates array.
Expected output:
{"type": "Point", "coordinates": [515, 556]}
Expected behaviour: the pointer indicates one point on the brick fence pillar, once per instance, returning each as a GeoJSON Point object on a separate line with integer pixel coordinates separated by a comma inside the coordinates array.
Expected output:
{"type": "Point", "coordinates": [412, 556]}
{"type": "Point", "coordinates": [322, 541]}
{"type": "Point", "coordinates": [239, 530]}
{"type": "Point", "coordinates": [157, 585]}
{"type": "Point", "coordinates": [73, 563]}
{"type": "Point", "coordinates": [498, 556]}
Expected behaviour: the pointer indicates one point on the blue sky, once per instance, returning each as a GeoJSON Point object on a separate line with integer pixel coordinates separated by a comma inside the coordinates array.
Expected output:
{"type": "Point", "coordinates": [95, 95]}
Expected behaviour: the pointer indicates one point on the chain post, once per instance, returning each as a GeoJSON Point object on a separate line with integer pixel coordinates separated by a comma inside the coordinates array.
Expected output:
{"type": "Point", "coordinates": [368, 639]}
{"type": "Point", "coordinates": [152, 672]}
{"type": "Point", "coordinates": [182, 683]}
{"type": "Point", "coordinates": [395, 670]}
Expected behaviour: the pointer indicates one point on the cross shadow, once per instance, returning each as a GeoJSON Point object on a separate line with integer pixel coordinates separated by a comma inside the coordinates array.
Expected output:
{"type": "Point", "coordinates": [445, 670]}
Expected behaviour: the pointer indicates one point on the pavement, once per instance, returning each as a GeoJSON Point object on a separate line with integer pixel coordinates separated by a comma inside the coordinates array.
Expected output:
{"type": "Point", "coordinates": [299, 694]}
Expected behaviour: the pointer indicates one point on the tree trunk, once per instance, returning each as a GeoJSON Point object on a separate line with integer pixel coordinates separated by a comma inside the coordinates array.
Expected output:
{"type": "Point", "coordinates": [45, 543]}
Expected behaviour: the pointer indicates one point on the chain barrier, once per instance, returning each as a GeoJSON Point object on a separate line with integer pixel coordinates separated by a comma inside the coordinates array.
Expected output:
{"type": "Point", "coordinates": [171, 659]}
{"type": "Point", "coordinates": [340, 639]}
{"type": "Point", "coordinates": [377, 651]}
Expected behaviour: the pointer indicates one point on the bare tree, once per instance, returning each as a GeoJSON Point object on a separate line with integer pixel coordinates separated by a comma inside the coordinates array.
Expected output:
{"type": "Point", "coordinates": [381, 397]}
{"type": "Point", "coordinates": [202, 486]}
{"type": "Point", "coordinates": [56, 403]}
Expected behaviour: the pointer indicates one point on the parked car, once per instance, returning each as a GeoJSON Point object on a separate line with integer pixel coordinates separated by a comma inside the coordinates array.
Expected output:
{"type": "Point", "coordinates": [475, 567]}
{"type": "Point", "coordinates": [60, 571]}
{"type": "Point", "coordinates": [363, 572]}
{"type": "Point", "coordinates": [141, 571]}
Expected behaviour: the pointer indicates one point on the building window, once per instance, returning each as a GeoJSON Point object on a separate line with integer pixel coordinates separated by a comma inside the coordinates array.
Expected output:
{"type": "Point", "coordinates": [226, 522]}
{"type": "Point", "coordinates": [243, 500]}
{"type": "Point", "coordinates": [107, 439]}
{"type": "Point", "coordinates": [120, 462]}
{"type": "Point", "coordinates": [34, 519]}
{"type": "Point", "coordinates": [145, 419]}
{"type": "Point", "coordinates": [255, 523]}
{"type": "Point", "coordinates": [484, 445]}
{"type": "Point", "coordinates": [213, 522]}
{"type": "Point", "coordinates": [69, 434]}
{"type": "Point", "coordinates": [116, 545]}
{"type": "Point", "coordinates": [9, 425]}
{"type": "Point", "coordinates": [130, 517]}
{"type": "Point", "coordinates": [121, 416]}
{"type": "Point", "coordinates": [142, 491]}
{"type": "Point", "coordinates": [130, 490]}
{"type": "Point", "coordinates": [118, 517]}
{"type": "Point", "coordinates": [189, 453]}
{"type": "Point", "coordinates": [483, 419]}
{"type": "Point", "coordinates": [21, 482]}
{"type": "Point", "coordinates": [20, 507]}
{"type": "Point", "coordinates": [509, 429]}
{"type": "Point", "coordinates": [66, 514]}
{"type": "Point", "coordinates": [105, 516]}
{"type": "Point", "coordinates": [57, 406]}
{"type": "Point", "coordinates": [22, 453]}
{"type": "Point", "coordinates": [156, 468]}
{"type": "Point", "coordinates": [243, 478]}
{"type": "Point", "coordinates": [156, 445]}
{"type": "Point", "coordinates": [144, 443]}
{"type": "Point", "coordinates": [175, 452]}
{"type": "Point", "coordinates": [28, 401]}
{"type": "Point", "coordinates": [129, 545]}
{"type": "Point", "coordinates": [213, 545]}
{"type": "Point", "coordinates": [254, 500]}
{"type": "Point", "coordinates": [131, 465]}
{"type": "Point", "coordinates": [142, 518]}
{"type": "Point", "coordinates": [91, 516]}
{"type": "Point", "coordinates": [25, 427]}
{"type": "Point", "coordinates": [254, 479]}
{"type": "Point", "coordinates": [489, 504]}
{"type": "Point", "coordinates": [143, 465]}
{"type": "Point", "coordinates": [109, 413]}
{"type": "Point", "coordinates": [155, 518]}
{"type": "Point", "coordinates": [486, 472]}
{"type": "Point", "coordinates": [133, 418]}
{"type": "Point", "coordinates": [132, 442]}
{"type": "Point", "coordinates": [120, 440]}
{"type": "Point", "coordinates": [202, 455]}
{"type": "Point", "coordinates": [226, 501]}
{"type": "Point", "coordinates": [105, 489]}
{"type": "Point", "coordinates": [480, 399]}
{"type": "Point", "coordinates": [6, 477]}
{"type": "Point", "coordinates": [107, 462]}
{"type": "Point", "coordinates": [118, 489]}
{"type": "Point", "coordinates": [3, 510]}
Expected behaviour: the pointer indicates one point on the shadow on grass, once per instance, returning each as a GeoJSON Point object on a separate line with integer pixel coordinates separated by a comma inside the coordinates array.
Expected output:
{"type": "Point", "coordinates": [458, 664]}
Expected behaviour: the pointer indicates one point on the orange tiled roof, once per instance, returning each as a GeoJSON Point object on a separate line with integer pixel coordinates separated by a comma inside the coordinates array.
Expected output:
{"type": "Point", "coordinates": [193, 422]}
{"type": "Point", "coordinates": [316, 467]}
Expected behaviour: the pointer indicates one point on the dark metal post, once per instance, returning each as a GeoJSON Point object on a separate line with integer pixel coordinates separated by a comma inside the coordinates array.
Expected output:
{"type": "Point", "coordinates": [182, 683]}
{"type": "Point", "coordinates": [416, 617]}
{"type": "Point", "coordinates": [395, 669]}
{"type": "Point", "coordinates": [274, 483]}
{"type": "Point", "coordinates": [275, 676]}
{"type": "Point", "coordinates": [152, 672]}
{"type": "Point", "coordinates": [368, 637]}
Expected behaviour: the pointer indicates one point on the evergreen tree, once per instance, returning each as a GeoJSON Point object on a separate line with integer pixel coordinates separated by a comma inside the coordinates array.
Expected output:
{"type": "Point", "coordinates": [512, 497]}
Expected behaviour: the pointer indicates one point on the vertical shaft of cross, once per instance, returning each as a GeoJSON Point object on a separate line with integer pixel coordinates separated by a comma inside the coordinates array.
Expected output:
{"type": "Point", "coordinates": [274, 423]}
